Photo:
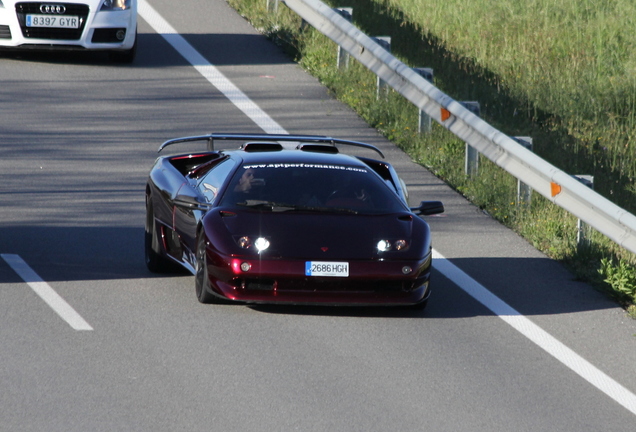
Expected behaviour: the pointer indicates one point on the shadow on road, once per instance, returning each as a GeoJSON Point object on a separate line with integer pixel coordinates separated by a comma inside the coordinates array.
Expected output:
{"type": "Point", "coordinates": [218, 49]}
{"type": "Point", "coordinates": [531, 286]}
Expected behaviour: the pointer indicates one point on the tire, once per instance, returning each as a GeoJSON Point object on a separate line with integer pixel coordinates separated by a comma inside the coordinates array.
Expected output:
{"type": "Point", "coordinates": [202, 278]}
{"type": "Point", "coordinates": [155, 262]}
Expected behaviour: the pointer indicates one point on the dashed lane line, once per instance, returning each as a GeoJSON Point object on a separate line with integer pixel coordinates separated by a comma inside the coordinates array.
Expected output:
{"type": "Point", "coordinates": [208, 70]}
{"type": "Point", "coordinates": [46, 293]}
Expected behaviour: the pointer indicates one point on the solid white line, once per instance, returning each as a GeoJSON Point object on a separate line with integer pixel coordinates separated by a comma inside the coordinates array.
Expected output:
{"type": "Point", "coordinates": [209, 71]}
{"type": "Point", "coordinates": [46, 293]}
{"type": "Point", "coordinates": [520, 323]}
{"type": "Point", "coordinates": [536, 334]}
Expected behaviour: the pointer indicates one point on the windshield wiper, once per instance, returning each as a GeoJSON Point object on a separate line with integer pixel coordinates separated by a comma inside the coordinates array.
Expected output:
{"type": "Point", "coordinates": [326, 209]}
{"type": "Point", "coordinates": [266, 205]}
{"type": "Point", "coordinates": [283, 207]}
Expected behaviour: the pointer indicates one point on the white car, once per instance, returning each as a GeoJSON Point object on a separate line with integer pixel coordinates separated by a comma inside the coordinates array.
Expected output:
{"type": "Point", "coordinates": [107, 25]}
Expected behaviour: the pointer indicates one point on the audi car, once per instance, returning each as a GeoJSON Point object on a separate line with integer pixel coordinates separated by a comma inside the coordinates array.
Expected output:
{"type": "Point", "coordinates": [105, 25]}
{"type": "Point", "coordinates": [288, 219]}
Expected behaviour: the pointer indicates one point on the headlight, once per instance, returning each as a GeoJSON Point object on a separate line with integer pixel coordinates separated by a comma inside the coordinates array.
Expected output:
{"type": "Point", "coordinates": [244, 242]}
{"type": "Point", "coordinates": [384, 245]}
{"type": "Point", "coordinates": [114, 5]}
{"type": "Point", "coordinates": [387, 245]}
{"type": "Point", "coordinates": [260, 244]}
{"type": "Point", "coordinates": [400, 244]}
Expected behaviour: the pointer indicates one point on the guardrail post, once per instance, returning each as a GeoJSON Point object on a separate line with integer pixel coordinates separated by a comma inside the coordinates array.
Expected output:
{"type": "Point", "coordinates": [582, 228]}
{"type": "Point", "coordinates": [343, 56]}
{"type": "Point", "coordinates": [424, 120]}
{"type": "Point", "coordinates": [471, 166]}
{"type": "Point", "coordinates": [272, 6]}
{"type": "Point", "coordinates": [524, 192]}
{"type": "Point", "coordinates": [384, 42]}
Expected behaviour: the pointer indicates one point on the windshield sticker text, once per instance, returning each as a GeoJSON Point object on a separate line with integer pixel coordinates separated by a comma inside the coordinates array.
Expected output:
{"type": "Point", "coordinates": [305, 165]}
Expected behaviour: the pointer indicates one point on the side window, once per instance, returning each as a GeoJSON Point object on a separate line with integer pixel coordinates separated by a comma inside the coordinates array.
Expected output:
{"type": "Point", "coordinates": [211, 183]}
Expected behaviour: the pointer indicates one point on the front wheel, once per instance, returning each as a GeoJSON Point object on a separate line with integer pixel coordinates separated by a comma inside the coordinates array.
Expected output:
{"type": "Point", "coordinates": [202, 278]}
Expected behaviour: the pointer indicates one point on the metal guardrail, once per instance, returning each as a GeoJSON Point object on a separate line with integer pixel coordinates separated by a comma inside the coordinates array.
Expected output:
{"type": "Point", "coordinates": [556, 185]}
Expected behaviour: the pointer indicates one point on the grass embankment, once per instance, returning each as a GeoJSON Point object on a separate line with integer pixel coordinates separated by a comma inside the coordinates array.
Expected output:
{"type": "Point", "coordinates": [563, 73]}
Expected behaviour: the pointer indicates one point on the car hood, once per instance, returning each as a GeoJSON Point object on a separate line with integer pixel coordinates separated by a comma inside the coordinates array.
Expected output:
{"type": "Point", "coordinates": [318, 236]}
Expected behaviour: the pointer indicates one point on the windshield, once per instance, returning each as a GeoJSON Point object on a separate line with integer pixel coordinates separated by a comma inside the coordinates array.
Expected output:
{"type": "Point", "coordinates": [311, 187]}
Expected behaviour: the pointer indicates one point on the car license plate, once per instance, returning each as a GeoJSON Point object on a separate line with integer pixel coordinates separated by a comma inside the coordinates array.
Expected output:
{"type": "Point", "coordinates": [325, 268]}
{"type": "Point", "coordinates": [52, 21]}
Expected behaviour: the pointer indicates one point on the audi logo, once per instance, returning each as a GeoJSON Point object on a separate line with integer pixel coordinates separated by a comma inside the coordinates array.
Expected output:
{"type": "Point", "coordinates": [52, 9]}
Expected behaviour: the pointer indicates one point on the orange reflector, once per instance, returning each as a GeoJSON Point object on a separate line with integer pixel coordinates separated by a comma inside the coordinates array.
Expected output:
{"type": "Point", "coordinates": [445, 114]}
{"type": "Point", "coordinates": [556, 189]}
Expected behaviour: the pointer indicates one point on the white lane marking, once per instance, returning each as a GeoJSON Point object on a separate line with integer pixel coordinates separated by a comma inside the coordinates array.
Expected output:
{"type": "Point", "coordinates": [520, 323]}
{"type": "Point", "coordinates": [208, 70]}
{"type": "Point", "coordinates": [536, 334]}
{"type": "Point", "coordinates": [46, 293]}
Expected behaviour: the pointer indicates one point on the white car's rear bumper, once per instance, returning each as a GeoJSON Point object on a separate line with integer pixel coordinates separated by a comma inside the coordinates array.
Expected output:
{"type": "Point", "coordinates": [99, 30]}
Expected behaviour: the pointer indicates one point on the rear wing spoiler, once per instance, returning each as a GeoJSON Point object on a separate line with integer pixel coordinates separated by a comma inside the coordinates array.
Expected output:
{"type": "Point", "coordinates": [273, 138]}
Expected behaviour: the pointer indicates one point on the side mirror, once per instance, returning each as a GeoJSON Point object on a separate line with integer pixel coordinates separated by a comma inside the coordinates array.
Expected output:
{"type": "Point", "coordinates": [427, 208]}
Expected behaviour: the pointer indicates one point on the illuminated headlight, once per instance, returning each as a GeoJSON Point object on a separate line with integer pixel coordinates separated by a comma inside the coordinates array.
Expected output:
{"type": "Point", "coordinates": [260, 244]}
{"type": "Point", "coordinates": [387, 245]}
{"type": "Point", "coordinates": [113, 5]}
{"type": "Point", "coordinates": [384, 245]}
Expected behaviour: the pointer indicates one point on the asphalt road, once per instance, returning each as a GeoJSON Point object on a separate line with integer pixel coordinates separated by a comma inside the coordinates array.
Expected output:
{"type": "Point", "coordinates": [91, 341]}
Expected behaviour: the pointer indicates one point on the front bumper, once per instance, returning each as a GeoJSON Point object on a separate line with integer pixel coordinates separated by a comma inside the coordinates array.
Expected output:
{"type": "Point", "coordinates": [370, 283]}
{"type": "Point", "coordinates": [99, 30]}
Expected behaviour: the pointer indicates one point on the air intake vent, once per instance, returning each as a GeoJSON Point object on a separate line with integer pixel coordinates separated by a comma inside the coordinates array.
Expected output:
{"type": "Point", "coordinates": [108, 35]}
{"type": "Point", "coordinates": [5, 32]}
{"type": "Point", "coordinates": [262, 147]}
{"type": "Point", "coordinates": [319, 148]}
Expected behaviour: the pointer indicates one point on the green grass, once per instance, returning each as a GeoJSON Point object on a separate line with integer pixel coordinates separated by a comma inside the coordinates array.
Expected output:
{"type": "Point", "coordinates": [513, 72]}
{"type": "Point", "coordinates": [574, 60]}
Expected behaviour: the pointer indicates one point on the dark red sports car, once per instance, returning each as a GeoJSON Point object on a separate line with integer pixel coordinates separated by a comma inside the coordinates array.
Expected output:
{"type": "Point", "coordinates": [288, 219]}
